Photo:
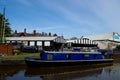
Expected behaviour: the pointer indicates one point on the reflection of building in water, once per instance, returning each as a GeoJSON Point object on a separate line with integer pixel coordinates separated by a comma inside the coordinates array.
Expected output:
{"type": "Point", "coordinates": [9, 71]}
{"type": "Point", "coordinates": [73, 75]}
{"type": "Point", "coordinates": [63, 73]}
{"type": "Point", "coordinates": [108, 70]}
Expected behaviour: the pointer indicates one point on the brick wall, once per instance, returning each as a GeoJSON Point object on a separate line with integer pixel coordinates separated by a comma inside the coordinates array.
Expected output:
{"type": "Point", "coordinates": [6, 48]}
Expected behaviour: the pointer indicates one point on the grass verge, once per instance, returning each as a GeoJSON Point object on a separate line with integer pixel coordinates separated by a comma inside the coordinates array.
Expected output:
{"type": "Point", "coordinates": [20, 56]}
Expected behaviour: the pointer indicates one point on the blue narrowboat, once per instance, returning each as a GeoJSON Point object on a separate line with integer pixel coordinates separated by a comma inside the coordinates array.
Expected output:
{"type": "Point", "coordinates": [57, 59]}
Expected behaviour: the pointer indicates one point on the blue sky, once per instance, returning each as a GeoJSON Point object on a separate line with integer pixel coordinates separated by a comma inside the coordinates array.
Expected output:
{"type": "Point", "coordinates": [64, 17]}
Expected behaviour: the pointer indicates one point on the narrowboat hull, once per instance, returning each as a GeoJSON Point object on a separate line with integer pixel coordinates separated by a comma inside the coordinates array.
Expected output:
{"type": "Point", "coordinates": [34, 62]}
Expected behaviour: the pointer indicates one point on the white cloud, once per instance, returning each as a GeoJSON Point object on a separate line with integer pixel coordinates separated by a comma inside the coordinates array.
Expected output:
{"type": "Point", "coordinates": [25, 2]}
{"type": "Point", "coordinates": [75, 16]}
{"type": "Point", "coordinates": [106, 14]}
{"type": "Point", "coordinates": [50, 28]}
{"type": "Point", "coordinates": [108, 11]}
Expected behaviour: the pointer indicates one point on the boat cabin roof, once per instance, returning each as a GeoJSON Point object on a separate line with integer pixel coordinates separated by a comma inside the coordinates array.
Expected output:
{"type": "Point", "coordinates": [52, 52]}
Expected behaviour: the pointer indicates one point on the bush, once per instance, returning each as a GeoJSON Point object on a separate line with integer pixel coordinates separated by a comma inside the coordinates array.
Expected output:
{"type": "Point", "coordinates": [118, 46]}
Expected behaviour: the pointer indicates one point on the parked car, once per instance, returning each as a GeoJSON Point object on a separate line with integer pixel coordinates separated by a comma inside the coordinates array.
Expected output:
{"type": "Point", "coordinates": [30, 49]}
{"type": "Point", "coordinates": [16, 49]}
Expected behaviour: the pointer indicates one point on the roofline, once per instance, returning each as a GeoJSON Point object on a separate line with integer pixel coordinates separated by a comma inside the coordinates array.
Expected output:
{"type": "Point", "coordinates": [108, 40]}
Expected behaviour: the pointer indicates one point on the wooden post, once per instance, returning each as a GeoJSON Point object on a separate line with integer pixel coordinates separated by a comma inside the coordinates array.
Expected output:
{"type": "Point", "coordinates": [43, 44]}
{"type": "Point", "coordinates": [28, 43]}
{"type": "Point", "coordinates": [35, 43]}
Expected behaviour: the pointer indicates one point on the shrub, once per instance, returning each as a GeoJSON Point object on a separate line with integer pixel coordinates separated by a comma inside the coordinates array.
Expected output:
{"type": "Point", "coordinates": [118, 46]}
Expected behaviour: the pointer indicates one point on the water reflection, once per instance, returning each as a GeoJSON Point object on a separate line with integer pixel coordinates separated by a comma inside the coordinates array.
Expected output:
{"type": "Point", "coordinates": [72, 75]}
{"type": "Point", "coordinates": [62, 73]}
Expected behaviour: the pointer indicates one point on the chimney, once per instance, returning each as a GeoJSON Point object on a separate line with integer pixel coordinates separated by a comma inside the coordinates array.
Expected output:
{"type": "Point", "coordinates": [15, 31]}
{"type": "Point", "coordinates": [25, 30]}
{"type": "Point", "coordinates": [34, 32]}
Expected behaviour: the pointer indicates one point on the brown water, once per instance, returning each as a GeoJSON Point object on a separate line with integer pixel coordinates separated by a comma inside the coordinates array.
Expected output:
{"type": "Point", "coordinates": [64, 73]}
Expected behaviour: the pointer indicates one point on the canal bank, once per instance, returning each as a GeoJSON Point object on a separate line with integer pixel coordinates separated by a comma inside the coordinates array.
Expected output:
{"type": "Point", "coordinates": [15, 62]}
{"type": "Point", "coordinates": [16, 59]}
{"type": "Point", "coordinates": [12, 62]}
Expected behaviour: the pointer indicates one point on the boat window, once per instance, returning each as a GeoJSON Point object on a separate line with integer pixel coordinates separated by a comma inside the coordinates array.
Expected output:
{"type": "Point", "coordinates": [67, 56]}
{"type": "Point", "coordinates": [95, 56]}
{"type": "Point", "coordinates": [86, 55]}
{"type": "Point", "coordinates": [49, 56]}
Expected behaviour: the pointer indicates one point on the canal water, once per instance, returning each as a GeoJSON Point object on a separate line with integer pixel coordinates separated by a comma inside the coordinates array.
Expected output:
{"type": "Point", "coordinates": [111, 72]}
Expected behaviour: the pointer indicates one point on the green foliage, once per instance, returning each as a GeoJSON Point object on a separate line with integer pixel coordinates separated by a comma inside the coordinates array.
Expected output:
{"type": "Point", "coordinates": [74, 38]}
{"type": "Point", "coordinates": [20, 56]}
{"type": "Point", "coordinates": [8, 30]}
{"type": "Point", "coordinates": [55, 34]}
{"type": "Point", "coordinates": [118, 46]}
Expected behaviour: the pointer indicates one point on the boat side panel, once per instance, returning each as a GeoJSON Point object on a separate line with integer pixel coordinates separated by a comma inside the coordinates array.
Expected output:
{"type": "Point", "coordinates": [54, 64]}
{"type": "Point", "coordinates": [83, 56]}
{"type": "Point", "coordinates": [53, 56]}
{"type": "Point", "coordinates": [76, 57]}
{"type": "Point", "coordinates": [100, 56]}
{"type": "Point", "coordinates": [43, 56]}
{"type": "Point", "coordinates": [59, 56]}
{"type": "Point", "coordinates": [51, 52]}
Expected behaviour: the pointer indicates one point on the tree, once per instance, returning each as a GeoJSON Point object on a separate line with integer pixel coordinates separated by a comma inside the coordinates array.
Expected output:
{"type": "Point", "coordinates": [55, 34]}
{"type": "Point", "coordinates": [73, 38]}
{"type": "Point", "coordinates": [8, 30]}
{"type": "Point", "coordinates": [49, 34]}
{"type": "Point", "coordinates": [118, 46]}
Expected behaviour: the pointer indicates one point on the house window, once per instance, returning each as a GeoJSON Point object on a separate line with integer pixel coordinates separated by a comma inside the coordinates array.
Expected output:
{"type": "Point", "coordinates": [67, 56]}
{"type": "Point", "coordinates": [49, 56]}
{"type": "Point", "coordinates": [47, 43]}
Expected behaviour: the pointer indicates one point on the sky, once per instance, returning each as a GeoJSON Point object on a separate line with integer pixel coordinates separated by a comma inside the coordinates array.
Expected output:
{"type": "Point", "coordinates": [70, 18]}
